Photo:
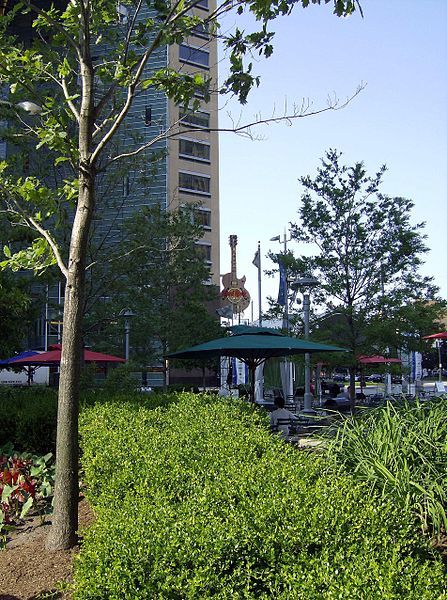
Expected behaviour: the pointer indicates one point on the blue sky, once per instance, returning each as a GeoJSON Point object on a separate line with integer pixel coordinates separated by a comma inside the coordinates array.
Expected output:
{"type": "Point", "coordinates": [399, 50]}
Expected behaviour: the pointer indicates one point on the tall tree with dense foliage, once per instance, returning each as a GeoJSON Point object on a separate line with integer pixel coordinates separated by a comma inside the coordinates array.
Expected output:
{"type": "Point", "coordinates": [16, 303]}
{"type": "Point", "coordinates": [84, 100]}
{"type": "Point", "coordinates": [367, 259]}
{"type": "Point", "coordinates": [165, 282]}
{"type": "Point", "coordinates": [15, 316]}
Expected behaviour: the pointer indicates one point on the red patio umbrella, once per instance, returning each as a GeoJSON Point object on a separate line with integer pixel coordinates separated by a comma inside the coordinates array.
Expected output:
{"type": "Point", "coordinates": [377, 360]}
{"type": "Point", "coordinates": [442, 335]}
{"type": "Point", "coordinates": [53, 357]}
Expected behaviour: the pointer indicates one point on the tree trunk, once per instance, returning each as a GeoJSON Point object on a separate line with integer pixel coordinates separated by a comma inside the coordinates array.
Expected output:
{"type": "Point", "coordinates": [66, 491]}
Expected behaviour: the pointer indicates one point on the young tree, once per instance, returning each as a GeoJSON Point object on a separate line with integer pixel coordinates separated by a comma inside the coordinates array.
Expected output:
{"type": "Point", "coordinates": [80, 103]}
{"type": "Point", "coordinates": [164, 282]}
{"type": "Point", "coordinates": [368, 259]}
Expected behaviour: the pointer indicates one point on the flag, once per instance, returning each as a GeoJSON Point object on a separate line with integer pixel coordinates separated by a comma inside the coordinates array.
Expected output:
{"type": "Point", "coordinates": [282, 293]}
{"type": "Point", "coordinates": [257, 259]}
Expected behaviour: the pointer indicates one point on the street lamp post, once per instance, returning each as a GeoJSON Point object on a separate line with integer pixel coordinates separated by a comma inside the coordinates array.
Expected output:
{"type": "Point", "coordinates": [126, 314]}
{"type": "Point", "coordinates": [284, 241]}
{"type": "Point", "coordinates": [306, 284]}
{"type": "Point", "coordinates": [439, 361]}
{"type": "Point", "coordinates": [288, 373]}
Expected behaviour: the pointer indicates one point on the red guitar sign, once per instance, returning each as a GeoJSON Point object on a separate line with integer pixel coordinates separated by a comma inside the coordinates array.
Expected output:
{"type": "Point", "coordinates": [234, 291]}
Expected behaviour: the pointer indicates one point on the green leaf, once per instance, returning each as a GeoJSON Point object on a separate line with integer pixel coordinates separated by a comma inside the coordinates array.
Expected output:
{"type": "Point", "coordinates": [26, 507]}
{"type": "Point", "coordinates": [7, 491]}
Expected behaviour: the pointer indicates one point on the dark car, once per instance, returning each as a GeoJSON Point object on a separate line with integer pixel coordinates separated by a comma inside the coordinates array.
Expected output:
{"type": "Point", "coordinates": [339, 377]}
{"type": "Point", "coordinates": [375, 378]}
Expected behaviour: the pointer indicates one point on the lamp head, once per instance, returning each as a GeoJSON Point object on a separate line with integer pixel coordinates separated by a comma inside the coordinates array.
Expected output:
{"type": "Point", "coordinates": [127, 313]}
{"type": "Point", "coordinates": [30, 107]}
{"type": "Point", "coordinates": [304, 283]}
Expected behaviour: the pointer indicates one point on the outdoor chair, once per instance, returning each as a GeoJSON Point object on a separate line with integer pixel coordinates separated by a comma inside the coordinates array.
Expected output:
{"type": "Point", "coordinates": [290, 404]}
{"type": "Point", "coordinates": [284, 427]}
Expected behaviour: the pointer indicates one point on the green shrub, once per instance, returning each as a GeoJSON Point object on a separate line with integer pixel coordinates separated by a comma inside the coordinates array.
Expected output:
{"type": "Point", "coordinates": [28, 419]}
{"type": "Point", "coordinates": [196, 499]}
{"type": "Point", "coordinates": [122, 378]}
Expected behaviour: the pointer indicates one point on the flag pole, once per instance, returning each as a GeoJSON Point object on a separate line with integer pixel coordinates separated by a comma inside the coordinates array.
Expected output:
{"type": "Point", "coordinates": [259, 285]}
{"type": "Point", "coordinates": [257, 263]}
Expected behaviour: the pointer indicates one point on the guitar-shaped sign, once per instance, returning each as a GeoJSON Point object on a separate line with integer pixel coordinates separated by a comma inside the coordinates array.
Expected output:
{"type": "Point", "coordinates": [234, 291]}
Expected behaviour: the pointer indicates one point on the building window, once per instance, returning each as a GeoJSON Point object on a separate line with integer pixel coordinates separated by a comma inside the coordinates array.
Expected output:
{"type": "Point", "coordinates": [202, 4]}
{"type": "Point", "coordinates": [194, 150]}
{"type": "Point", "coordinates": [147, 116]}
{"type": "Point", "coordinates": [199, 94]}
{"type": "Point", "coordinates": [194, 56]}
{"type": "Point", "coordinates": [201, 30]}
{"type": "Point", "coordinates": [195, 183]}
{"type": "Point", "coordinates": [196, 119]}
{"type": "Point", "coordinates": [204, 250]}
{"type": "Point", "coordinates": [202, 217]}
{"type": "Point", "coordinates": [126, 186]}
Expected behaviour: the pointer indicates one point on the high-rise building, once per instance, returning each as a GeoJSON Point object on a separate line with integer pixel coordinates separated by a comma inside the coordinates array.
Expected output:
{"type": "Point", "coordinates": [186, 165]}
{"type": "Point", "coordinates": [194, 157]}
{"type": "Point", "coordinates": [186, 152]}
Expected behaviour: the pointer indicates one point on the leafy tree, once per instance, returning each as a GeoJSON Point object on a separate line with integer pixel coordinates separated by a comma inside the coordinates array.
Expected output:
{"type": "Point", "coordinates": [84, 101]}
{"type": "Point", "coordinates": [15, 317]}
{"type": "Point", "coordinates": [164, 283]}
{"type": "Point", "coordinates": [17, 310]}
{"type": "Point", "coordinates": [367, 261]}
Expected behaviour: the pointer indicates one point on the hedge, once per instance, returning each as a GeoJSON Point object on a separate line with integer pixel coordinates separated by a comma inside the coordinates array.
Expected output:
{"type": "Point", "coordinates": [198, 500]}
{"type": "Point", "coordinates": [28, 415]}
{"type": "Point", "coordinates": [28, 419]}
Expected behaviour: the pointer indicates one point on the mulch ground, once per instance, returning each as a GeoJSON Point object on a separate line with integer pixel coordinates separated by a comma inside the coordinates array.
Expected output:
{"type": "Point", "coordinates": [28, 571]}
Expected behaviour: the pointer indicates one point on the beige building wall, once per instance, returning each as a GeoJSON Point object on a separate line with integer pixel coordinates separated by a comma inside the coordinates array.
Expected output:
{"type": "Point", "coordinates": [193, 164]}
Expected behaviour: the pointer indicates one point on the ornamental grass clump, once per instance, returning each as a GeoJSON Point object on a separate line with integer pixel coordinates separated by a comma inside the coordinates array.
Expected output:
{"type": "Point", "coordinates": [196, 499]}
{"type": "Point", "coordinates": [400, 451]}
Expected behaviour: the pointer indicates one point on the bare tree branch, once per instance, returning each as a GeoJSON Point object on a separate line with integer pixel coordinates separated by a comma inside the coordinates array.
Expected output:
{"type": "Point", "coordinates": [302, 112]}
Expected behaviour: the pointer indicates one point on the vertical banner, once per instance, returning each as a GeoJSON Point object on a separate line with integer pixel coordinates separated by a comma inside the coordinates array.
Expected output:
{"type": "Point", "coordinates": [417, 358]}
{"type": "Point", "coordinates": [240, 370]}
{"type": "Point", "coordinates": [225, 376]}
{"type": "Point", "coordinates": [282, 292]}
{"type": "Point", "coordinates": [259, 383]}
{"type": "Point", "coordinates": [286, 370]}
